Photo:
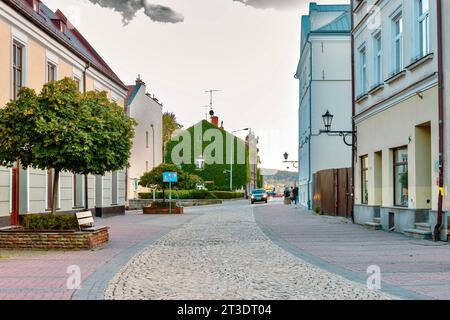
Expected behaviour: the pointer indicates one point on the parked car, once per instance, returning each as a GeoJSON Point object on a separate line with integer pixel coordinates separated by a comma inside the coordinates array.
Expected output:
{"type": "Point", "coordinates": [259, 195]}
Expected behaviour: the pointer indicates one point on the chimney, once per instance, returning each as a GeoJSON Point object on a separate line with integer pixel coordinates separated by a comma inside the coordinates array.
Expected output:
{"type": "Point", "coordinates": [215, 121]}
{"type": "Point", "coordinates": [139, 80]}
{"type": "Point", "coordinates": [221, 125]}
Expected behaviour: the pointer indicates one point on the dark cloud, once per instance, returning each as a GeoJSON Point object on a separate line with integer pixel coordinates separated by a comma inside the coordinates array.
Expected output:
{"type": "Point", "coordinates": [129, 8]}
{"type": "Point", "coordinates": [275, 4]}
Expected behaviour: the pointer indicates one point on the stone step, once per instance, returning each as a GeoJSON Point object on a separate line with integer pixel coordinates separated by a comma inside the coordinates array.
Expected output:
{"type": "Point", "coordinates": [418, 234]}
{"type": "Point", "coordinates": [377, 220]}
{"type": "Point", "coordinates": [373, 225]}
{"type": "Point", "coordinates": [423, 226]}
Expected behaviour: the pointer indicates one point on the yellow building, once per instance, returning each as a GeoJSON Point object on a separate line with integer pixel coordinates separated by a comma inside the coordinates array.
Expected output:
{"type": "Point", "coordinates": [397, 121]}
{"type": "Point", "coordinates": [37, 46]}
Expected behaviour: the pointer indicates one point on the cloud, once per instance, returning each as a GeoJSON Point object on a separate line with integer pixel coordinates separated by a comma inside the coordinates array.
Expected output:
{"type": "Point", "coordinates": [129, 9]}
{"type": "Point", "coordinates": [274, 4]}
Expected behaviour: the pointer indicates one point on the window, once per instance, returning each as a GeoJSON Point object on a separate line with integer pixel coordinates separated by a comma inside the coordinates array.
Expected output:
{"type": "Point", "coordinates": [36, 6]}
{"type": "Point", "coordinates": [363, 70]}
{"type": "Point", "coordinates": [51, 72]}
{"type": "Point", "coordinates": [78, 83]}
{"type": "Point", "coordinates": [114, 188]}
{"type": "Point", "coordinates": [146, 166]}
{"type": "Point", "coordinates": [378, 63]}
{"type": "Point", "coordinates": [17, 68]}
{"type": "Point", "coordinates": [398, 44]}
{"type": "Point", "coordinates": [364, 180]}
{"type": "Point", "coordinates": [424, 27]}
{"type": "Point", "coordinates": [62, 27]}
{"type": "Point", "coordinates": [78, 191]}
{"type": "Point", "coordinates": [401, 177]}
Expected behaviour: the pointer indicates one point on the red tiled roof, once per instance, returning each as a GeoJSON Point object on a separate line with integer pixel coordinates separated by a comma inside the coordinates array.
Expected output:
{"type": "Point", "coordinates": [73, 40]}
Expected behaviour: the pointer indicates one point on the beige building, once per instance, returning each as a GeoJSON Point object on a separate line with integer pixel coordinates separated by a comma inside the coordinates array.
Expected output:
{"type": "Point", "coordinates": [146, 152]}
{"type": "Point", "coordinates": [446, 73]}
{"type": "Point", "coordinates": [396, 82]}
{"type": "Point", "coordinates": [37, 46]}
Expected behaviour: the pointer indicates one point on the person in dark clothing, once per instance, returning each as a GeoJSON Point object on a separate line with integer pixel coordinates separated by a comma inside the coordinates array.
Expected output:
{"type": "Point", "coordinates": [295, 192]}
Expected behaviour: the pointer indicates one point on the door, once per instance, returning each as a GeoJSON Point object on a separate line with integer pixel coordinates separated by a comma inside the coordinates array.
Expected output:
{"type": "Point", "coordinates": [14, 220]}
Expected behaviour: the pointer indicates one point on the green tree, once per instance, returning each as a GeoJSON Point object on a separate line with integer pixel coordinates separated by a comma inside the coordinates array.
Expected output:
{"type": "Point", "coordinates": [64, 130]}
{"type": "Point", "coordinates": [170, 125]}
{"type": "Point", "coordinates": [186, 181]}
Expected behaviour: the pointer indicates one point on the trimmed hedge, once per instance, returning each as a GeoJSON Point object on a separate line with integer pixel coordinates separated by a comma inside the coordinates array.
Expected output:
{"type": "Point", "coordinates": [67, 222]}
{"type": "Point", "coordinates": [227, 194]}
{"type": "Point", "coordinates": [194, 194]}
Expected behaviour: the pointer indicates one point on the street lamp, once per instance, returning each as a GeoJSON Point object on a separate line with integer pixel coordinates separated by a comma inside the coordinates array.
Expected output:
{"type": "Point", "coordinates": [286, 157]}
{"type": "Point", "coordinates": [232, 156]}
{"type": "Point", "coordinates": [328, 121]}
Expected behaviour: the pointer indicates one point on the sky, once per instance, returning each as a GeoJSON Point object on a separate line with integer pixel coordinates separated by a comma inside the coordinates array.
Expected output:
{"type": "Point", "coordinates": [248, 49]}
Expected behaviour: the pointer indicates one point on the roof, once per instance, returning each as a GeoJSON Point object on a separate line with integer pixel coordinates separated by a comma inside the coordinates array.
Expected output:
{"type": "Point", "coordinates": [71, 38]}
{"type": "Point", "coordinates": [342, 24]}
{"type": "Point", "coordinates": [132, 92]}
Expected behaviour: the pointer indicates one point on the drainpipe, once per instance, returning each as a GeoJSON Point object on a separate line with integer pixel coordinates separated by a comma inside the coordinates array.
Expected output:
{"type": "Point", "coordinates": [438, 227]}
{"type": "Point", "coordinates": [86, 187]}
{"type": "Point", "coordinates": [354, 142]}
{"type": "Point", "coordinates": [310, 122]}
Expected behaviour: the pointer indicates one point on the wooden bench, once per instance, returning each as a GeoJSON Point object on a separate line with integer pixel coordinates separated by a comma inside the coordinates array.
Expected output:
{"type": "Point", "coordinates": [86, 221]}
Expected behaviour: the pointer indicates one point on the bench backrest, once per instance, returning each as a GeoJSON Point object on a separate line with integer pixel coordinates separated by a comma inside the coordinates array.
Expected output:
{"type": "Point", "coordinates": [85, 218]}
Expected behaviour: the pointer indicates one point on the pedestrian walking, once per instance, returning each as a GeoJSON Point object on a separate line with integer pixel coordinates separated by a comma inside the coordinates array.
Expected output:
{"type": "Point", "coordinates": [295, 192]}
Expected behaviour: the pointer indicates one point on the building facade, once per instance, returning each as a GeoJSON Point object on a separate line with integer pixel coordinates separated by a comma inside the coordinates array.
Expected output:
{"type": "Point", "coordinates": [324, 74]}
{"type": "Point", "coordinates": [146, 152]}
{"type": "Point", "coordinates": [38, 46]}
{"type": "Point", "coordinates": [446, 79]}
{"type": "Point", "coordinates": [218, 157]}
{"type": "Point", "coordinates": [396, 104]}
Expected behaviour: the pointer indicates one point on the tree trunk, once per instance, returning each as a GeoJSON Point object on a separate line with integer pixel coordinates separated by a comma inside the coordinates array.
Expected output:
{"type": "Point", "coordinates": [55, 191]}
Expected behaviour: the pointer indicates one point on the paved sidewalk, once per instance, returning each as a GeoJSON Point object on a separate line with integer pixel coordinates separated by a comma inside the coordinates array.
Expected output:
{"type": "Point", "coordinates": [43, 276]}
{"type": "Point", "coordinates": [223, 254]}
{"type": "Point", "coordinates": [410, 268]}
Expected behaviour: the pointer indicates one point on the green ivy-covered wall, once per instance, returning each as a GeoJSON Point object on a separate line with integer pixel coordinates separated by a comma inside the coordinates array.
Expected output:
{"type": "Point", "coordinates": [216, 171]}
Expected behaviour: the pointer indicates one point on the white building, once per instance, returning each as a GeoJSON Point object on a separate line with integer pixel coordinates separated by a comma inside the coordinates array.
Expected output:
{"type": "Point", "coordinates": [397, 120]}
{"type": "Point", "coordinates": [324, 74]}
{"type": "Point", "coordinates": [146, 152]}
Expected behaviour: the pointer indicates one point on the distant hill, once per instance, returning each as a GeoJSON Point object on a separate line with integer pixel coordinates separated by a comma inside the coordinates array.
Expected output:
{"type": "Point", "coordinates": [275, 177]}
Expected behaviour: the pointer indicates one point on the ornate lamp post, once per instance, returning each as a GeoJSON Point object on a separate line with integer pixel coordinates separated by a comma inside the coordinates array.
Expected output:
{"type": "Point", "coordinates": [293, 163]}
{"type": "Point", "coordinates": [328, 121]}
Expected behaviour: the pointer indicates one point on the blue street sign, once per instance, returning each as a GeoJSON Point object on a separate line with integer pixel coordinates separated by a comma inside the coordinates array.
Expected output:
{"type": "Point", "coordinates": [170, 177]}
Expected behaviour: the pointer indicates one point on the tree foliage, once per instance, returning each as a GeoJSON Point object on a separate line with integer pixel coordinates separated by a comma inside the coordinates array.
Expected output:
{"type": "Point", "coordinates": [170, 125]}
{"type": "Point", "coordinates": [64, 130]}
{"type": "Point", "coordinates": [186, 181]}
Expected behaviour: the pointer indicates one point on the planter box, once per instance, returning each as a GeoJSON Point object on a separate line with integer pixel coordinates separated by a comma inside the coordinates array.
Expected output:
{"type": "Point", "coordinates": [14, 238]}
{"type": "Point", "coordinates": [150, 210]}
{"type": "Point", "coordinates": [139, 204]}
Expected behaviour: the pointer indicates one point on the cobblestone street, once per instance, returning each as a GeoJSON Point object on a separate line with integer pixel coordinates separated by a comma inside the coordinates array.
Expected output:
{"type": "Point", "coordinates": [223, 254]}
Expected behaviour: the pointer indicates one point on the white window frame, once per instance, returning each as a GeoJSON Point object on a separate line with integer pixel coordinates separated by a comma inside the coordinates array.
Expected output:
{"type": "Point", "coordinates": [362, 56]}
{"type": "Point", "coordinates": [47, 62]}
{"type": "Point", "coordinates": [378, 58]}
{"type": "Point", "coordinates": [423, 41]}
{"type": "Point", "coordinates": [22, 40]}
{"type": "Point", "coordinates": [397, 38]}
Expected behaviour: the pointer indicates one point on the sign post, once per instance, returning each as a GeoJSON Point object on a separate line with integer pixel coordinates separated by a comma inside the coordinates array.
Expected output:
{"type": "Point", "coordinates": [170, 177]}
